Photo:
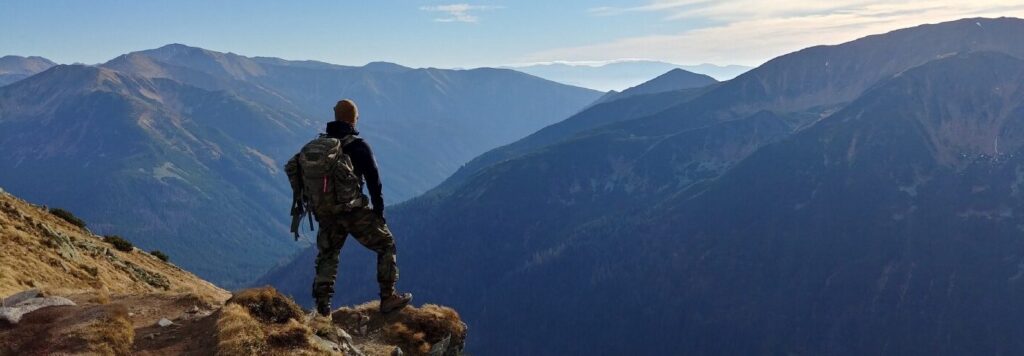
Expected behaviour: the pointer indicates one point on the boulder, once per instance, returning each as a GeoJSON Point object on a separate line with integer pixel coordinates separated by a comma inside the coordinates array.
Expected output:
{"type": "Point", "coordinates": [13, 314]}
{"type": "Point", "coordinates": [324, 344]}
{"type": "Point", "coordinates": [19, 297]}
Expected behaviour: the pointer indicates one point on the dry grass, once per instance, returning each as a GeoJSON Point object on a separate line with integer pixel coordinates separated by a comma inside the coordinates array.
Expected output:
{"type": "Point", "coordinates": [292, 335]}
{"type": "Point", "coordinates": [31, 255]}
{"type": "Point", "coordinates": [102, 296]}
{"type": "Point", "coordinates": [111, 334]}
{"type": "Point", "coordinates": [424, 326]}
{"type": "Point", "coordinates": [267, 304]}
{"type": "Point", "coordinates": [412, 341]}
{"type": "Point", "coordinates": [270, 317]}
{"type": "Point", "coordinates": [238, 334]}
{"type": "Point", "coordinates": [413, 329]}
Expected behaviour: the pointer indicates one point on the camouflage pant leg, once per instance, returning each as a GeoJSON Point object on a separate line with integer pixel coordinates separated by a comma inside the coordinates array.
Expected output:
{"type": "Point", "coordinates": [329, 241]}
{"type": "Point", "coordinates": [371, 231]}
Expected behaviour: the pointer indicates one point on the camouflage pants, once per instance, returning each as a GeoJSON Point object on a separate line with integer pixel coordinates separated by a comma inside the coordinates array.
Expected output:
{"type": "Point", "coordinates": [367, 228]}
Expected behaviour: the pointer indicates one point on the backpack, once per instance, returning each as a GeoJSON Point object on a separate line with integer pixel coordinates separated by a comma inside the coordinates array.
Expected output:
{"type": "Point", "coordinates": [329, 181]}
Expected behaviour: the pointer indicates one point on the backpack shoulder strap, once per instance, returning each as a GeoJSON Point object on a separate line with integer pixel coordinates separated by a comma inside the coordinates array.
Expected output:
{"type": "Point", "coordinates": [349, 139]}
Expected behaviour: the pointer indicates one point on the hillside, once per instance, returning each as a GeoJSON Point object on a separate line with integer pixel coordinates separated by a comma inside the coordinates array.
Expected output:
{"type": "Point", "coordinates": [140, 157]}
{"type": "Point", "coordinates": [41, 250]}
{"type": "Point", "coordinates": [66, 290]}
{"type": "Point", "coordinates": [181, 148]}
{"type": "Point", "coordinates": [889, 228]}
{"type": "Point", "coordinates": [622, 215]}
{"type": "Point", "coordinates": [612, 108]}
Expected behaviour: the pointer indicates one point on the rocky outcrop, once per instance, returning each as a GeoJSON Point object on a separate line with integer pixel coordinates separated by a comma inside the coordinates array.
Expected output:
{"type": "Point", "coordinates": [257, 321]}
{"type": "Point", "coordinates": [16, 306]}
{"type": "Point", "coordinates": [426, 330]}
{"type": "Point", "coordinates": [71, 292]}
{"type": "Point", "coordinates": [263, 321]}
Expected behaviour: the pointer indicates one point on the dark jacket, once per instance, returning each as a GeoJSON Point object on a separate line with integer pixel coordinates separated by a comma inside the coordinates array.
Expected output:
{"type": "Point", "coordinates": [364, 164]}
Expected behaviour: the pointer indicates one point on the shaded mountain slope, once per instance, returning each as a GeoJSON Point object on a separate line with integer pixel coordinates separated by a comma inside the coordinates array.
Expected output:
{"type": "Point", "coordinates": [857, 236]}
{"type": "Point", "coordinates": [593, 117]}
{"type": "Point", "coordinates": [862, 235]}
{"type": "Point", "coordinates": [145, 156]}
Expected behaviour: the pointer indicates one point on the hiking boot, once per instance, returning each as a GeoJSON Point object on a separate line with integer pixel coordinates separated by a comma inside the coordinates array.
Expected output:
{"type": "Point", "coordinates": [394, 302]}
{"type": "Point", "coordinates": [323, 308]}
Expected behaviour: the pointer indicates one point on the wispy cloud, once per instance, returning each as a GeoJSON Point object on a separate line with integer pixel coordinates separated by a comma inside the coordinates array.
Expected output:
{"type": "Point", "coordinates": [458, 12]}
{"type": "Point", "coordinates": [752, 31]}
{"type": "Point", "coordinates": [660, 5]}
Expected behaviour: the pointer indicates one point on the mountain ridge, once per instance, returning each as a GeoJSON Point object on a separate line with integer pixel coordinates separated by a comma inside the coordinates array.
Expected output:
{"type": "Point", "coordinates": [619, 75]}
{"type": "Point", "coordinates": [148, 143]}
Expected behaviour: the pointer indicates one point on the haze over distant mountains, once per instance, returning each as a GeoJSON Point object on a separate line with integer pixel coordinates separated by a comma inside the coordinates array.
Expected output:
{"type": "Point", "coordinates": [861, 198]}
{"type": "Point", "coordinates": [619, 75]}
{"type": "Point", "coordinates": [15, 68]}
{"type": "Point", "coordinates": [180, 148]}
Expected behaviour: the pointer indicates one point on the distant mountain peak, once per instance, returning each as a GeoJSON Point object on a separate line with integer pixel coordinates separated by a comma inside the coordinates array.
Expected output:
{"type": "Point", "coordinates": [176, 48]}
{"type": "Point", "coordinates": [13, 59]}
{"type": "Point", "coordinates": [679, 74]}
{"type": "Point", "coordinates": [213, 62]}
{"type": "Point", "coordinates": [15, 68]}
{"type": "Point", "coordinates": [387, 67]}
{"type": "Point", "coordinates": [674, 79]}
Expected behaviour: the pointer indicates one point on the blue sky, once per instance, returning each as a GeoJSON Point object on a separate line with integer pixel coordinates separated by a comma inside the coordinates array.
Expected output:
{"type": "Point", "coordinates": [465, 34]}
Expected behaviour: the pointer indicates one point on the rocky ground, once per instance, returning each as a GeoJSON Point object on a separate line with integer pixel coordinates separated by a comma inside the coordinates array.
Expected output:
{"type": "Point", "coordinates": [71, 292]}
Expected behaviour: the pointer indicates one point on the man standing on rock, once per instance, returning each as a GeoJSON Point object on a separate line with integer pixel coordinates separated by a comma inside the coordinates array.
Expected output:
{"type": "Point", "coordinates": [327, 175]}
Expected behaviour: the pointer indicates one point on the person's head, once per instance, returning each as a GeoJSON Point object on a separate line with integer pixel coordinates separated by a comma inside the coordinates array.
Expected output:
{"type": "Point", "coordinates": [346, 111]}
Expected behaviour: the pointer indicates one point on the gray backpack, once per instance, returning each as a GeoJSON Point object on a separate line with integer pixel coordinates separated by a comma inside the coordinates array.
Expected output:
{"type": "Point", "coordinates": [329, 182]}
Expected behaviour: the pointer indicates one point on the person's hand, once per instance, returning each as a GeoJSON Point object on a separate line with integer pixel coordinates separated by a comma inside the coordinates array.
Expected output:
{"type": "Point", "coordinates": [380, 214]}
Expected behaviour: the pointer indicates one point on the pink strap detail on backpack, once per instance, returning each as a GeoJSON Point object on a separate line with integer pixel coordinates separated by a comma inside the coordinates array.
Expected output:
{"type": "Point", "coordinates": [325, 184]}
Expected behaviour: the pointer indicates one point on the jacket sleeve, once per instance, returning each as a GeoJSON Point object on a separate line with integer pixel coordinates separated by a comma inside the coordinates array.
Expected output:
{"type": "Point", "coordinates": [363, 160]}
{"type": "Point", "coordinates": [292, 170]}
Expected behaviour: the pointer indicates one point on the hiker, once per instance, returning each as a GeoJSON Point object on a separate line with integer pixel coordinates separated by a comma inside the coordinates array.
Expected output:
{"type": "Point", "coordinates": [327, 175]}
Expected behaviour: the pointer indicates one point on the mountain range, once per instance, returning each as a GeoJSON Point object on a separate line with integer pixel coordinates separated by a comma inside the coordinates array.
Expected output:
{"type": "Point", "coordinates": [619, 75]}
{"type": "Point", "coordinates": [180, 148]}
{"type": "Point", "coordinates": [859, 198]}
